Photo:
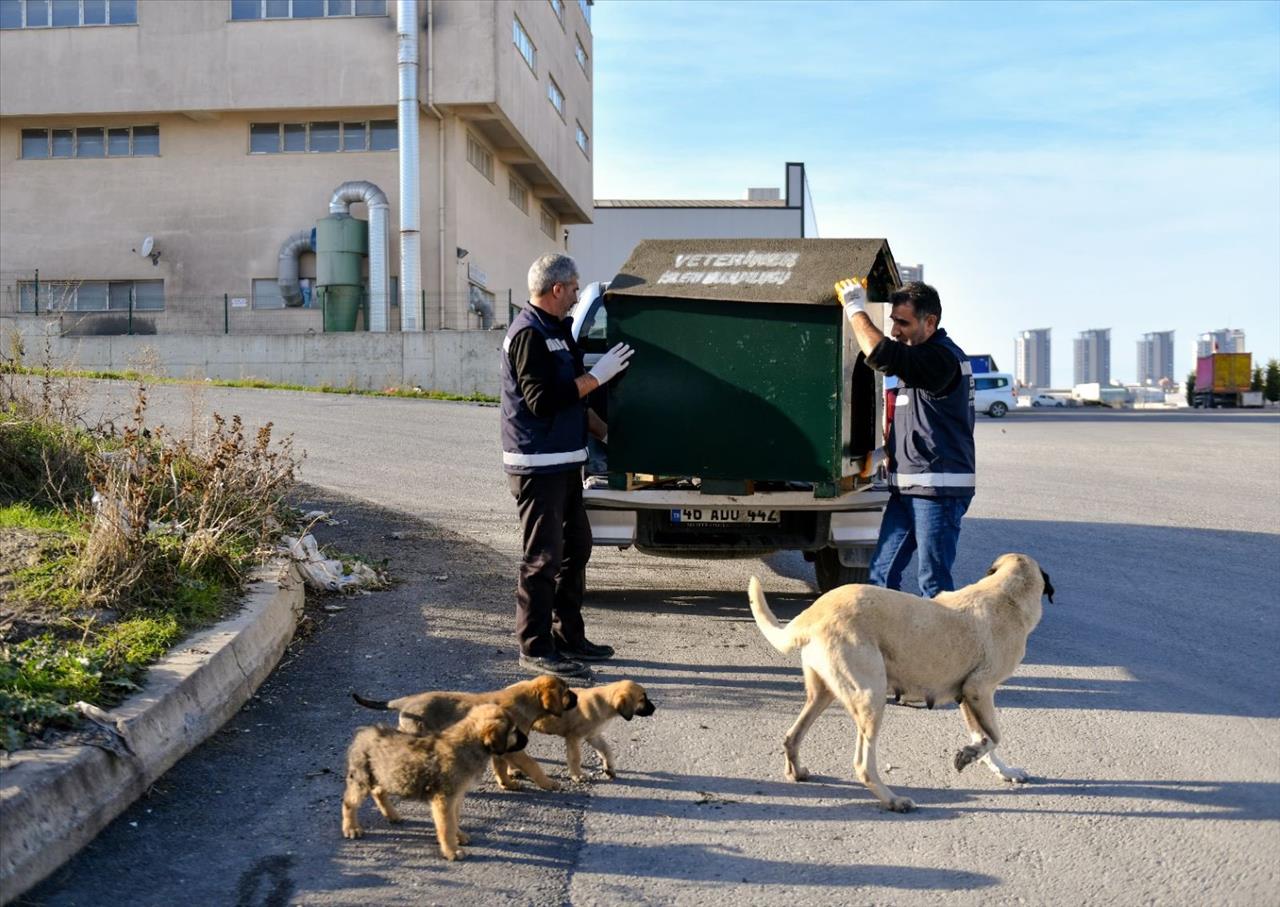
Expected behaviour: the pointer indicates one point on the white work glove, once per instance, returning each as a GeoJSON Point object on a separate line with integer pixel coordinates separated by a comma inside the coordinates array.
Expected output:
{"type": "Point", "coordinates": [852, 295]}
{"type": "Point", "coordinates": [611, 363]}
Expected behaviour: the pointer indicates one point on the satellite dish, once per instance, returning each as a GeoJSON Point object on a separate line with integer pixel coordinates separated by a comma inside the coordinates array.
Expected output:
{"type": "Point", "coordinates": [148, 243]}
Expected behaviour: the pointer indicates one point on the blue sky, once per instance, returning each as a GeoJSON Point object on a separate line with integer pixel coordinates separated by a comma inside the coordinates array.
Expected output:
{"type": "Point", "coordinates": [1063, 165]}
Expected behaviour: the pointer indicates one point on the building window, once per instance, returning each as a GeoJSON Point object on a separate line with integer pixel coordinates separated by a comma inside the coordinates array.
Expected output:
{"type": "Point", "coordinates": [555, 96]}
{"type": "Point", "coordinates": [266, 294]}
{"type": "Point", "coordinates": [480, 300]}
{"type": "Point", "coordinates": [524, 44]}
{"type": "Point", "coordinates": [370, 135]}
{"type": "Point", "coordinates": [305, 9]}
{"type": "Point", "coordinates": [585, 6]}
{"type": "Point", "coordinates": [518, 194]}
{"type": "Point", "coordinates": [557, 7]}
{"type": "Point", "coordinates": [92, 141]}
{"type": "Point", "coordinates": [67, 13]}
{"type": "Point", "coordinates": [479, 157]}
{"type": "Point", "coordinates": [91, 295]}
{"type": "Point", "coordinates": [548, 222]}
{"type": "Point", "coordinates": [584, 141]}
{"type": "Point", "coordinates": [580, 54]}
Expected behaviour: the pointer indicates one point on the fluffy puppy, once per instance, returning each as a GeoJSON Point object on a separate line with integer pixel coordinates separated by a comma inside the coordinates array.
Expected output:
{"type": "Point", "coordinates": [596, 707]}
{"type": "Point", "coordinates": [438, 768]}
{"type": "Point", "coordinates": [526, 702]}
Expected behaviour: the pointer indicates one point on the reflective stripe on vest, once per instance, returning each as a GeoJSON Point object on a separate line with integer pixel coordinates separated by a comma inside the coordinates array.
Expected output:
{"type": "Point", "coordinates": [933, 479]}
{"type": "Point", "coordinates": [546, 459]}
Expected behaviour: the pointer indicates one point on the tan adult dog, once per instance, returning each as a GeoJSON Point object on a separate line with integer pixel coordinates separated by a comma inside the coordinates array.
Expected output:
{"type": "Point", "coordinates": [438, 768]}
{"type": "Point", "coordinates": [526, 701]}
{"type": "Point", "coordinates": [596, 708]}
{"type": "Point", "coordinates": [858, 642]}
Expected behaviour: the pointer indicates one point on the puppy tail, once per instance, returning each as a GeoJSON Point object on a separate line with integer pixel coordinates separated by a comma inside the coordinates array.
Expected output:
{"type": "Point", "coordinates": [779, 637]}
{"type": "Point", "coordinates": [370, 703]}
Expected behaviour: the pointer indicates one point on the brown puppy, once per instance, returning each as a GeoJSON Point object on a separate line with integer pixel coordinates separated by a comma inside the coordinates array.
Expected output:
{"type": "Point", "coordinates": [596, 707]}
{"type": "Point", "coordinates": [526, 702]}
{"type": "Point", "coordinates": [437, 768]}
{"type": "Point", "coordinates": [858, 642]}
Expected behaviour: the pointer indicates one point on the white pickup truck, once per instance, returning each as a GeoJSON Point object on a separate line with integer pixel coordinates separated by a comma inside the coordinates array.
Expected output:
{"type": "Point", "coordinates": [674, 517]}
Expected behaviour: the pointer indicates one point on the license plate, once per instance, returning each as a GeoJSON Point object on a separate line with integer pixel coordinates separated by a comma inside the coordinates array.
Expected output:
{"type": "Point", "coordinates": [714, 516]}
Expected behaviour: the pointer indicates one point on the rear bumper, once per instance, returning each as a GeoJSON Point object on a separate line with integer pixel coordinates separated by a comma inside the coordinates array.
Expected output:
{"type": "Point", "coordinates": [642, 518]}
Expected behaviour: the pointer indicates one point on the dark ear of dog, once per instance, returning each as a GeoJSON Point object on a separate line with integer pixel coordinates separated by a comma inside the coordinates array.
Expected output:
{"type": "Point", "coordinates": [495, 736]}
{"type": "Point", "coordinates": [1048, 586]}
{"type": "Point", "coordinates": [624, 706]}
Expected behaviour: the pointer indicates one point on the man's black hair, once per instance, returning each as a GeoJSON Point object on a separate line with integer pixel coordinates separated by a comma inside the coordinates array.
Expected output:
{"type": "Point", "coordinates": [923, 298]}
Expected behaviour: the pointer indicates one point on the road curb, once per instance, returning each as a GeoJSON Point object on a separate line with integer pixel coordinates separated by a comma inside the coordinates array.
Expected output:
{"type": "Point", "coordinates": [53, 802]}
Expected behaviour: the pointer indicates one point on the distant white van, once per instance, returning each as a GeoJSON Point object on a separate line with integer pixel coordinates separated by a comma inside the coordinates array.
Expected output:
{"type": "Point", "coordinates": [993, 393]}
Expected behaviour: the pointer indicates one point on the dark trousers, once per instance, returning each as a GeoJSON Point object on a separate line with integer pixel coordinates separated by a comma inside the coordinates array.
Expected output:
{"type": "Point", "coordinates": [553, 573]}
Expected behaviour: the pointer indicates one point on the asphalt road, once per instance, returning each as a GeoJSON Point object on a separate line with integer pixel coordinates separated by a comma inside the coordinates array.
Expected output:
{"type": "Point", "coordinates": [1145, 709]}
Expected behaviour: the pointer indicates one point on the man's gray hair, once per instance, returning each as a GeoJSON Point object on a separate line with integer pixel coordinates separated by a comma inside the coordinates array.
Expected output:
{"type": "Point", "coordinates": [550, 269]}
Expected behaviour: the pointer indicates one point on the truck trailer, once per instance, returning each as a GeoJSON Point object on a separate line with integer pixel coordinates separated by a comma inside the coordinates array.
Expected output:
{"type": "Point", "coordinates": [1223, 379]}
{"type": "Point", "coordinates": [748, 421]}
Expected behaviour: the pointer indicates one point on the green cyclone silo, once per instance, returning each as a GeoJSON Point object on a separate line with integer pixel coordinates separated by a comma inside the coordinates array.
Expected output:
{"type": "Point", "coordinates": [342, 242]}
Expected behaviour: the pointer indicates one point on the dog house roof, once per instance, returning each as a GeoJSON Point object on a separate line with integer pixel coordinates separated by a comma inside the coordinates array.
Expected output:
{"type": "Point", "coordinates": [802, 271]}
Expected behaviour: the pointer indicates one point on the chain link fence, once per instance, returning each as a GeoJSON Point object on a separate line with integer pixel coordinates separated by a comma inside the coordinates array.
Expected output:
{"type": "Point", "coordinates": [125, 307]}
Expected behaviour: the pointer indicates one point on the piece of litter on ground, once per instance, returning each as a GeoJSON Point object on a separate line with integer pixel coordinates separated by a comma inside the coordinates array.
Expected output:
{"type": "Point", "coordinates": [441, 578]}
{"type": "Point", "coordinates": [334, 609]}
{"type": "Point", "coordinates": [398, 535]}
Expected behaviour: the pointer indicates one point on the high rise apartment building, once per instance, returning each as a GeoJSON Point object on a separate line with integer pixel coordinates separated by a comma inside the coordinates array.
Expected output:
{"type": "Point", "coordinates": [909, 273]}
{"type": "Point", "coordinates": [222, 128]}
{"type": "Point", "coordinates": [1226, 340]}
{"type": "Point", "coordinates": [1093, 357]}
{"type": "Point", "coordinates": [1031, 354]}
{"type": "Point", "coordinates": [1155, 357]}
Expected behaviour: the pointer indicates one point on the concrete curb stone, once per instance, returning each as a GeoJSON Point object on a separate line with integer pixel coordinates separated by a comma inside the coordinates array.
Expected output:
{"type": "Point", "coordinates": [53, 802]}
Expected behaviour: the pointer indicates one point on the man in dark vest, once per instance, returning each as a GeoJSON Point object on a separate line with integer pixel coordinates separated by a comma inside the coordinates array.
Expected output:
{"type": "Point", "coordinates": [930, 448]}
{"type": "Point", "coordinates": [545, 421]}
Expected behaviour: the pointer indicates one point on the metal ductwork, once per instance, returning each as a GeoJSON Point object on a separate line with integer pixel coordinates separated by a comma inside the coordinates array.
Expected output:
{"type": "Point", "coordinates": [379, 229]}
{"type": "Point", "coordinates": [287, 267]}
{"type": "Point", "coordinates": [410, 227]}
{"type": "Point", "coordinates": [484, 308]}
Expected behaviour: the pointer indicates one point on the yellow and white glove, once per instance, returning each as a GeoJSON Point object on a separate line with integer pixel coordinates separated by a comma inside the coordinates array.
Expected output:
{"type": "Point", "coordinates": [852, 295]}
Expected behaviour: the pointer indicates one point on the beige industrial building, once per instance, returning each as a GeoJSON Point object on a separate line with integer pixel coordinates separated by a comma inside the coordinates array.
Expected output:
{"type": "Point", "coordinates": [222, 128]}
{"type": "Point", "coordinates": [617, 225]}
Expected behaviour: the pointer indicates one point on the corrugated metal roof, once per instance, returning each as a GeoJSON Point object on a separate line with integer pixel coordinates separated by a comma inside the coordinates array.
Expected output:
{"type": "Point", "coordinates": [754, 270]}
{"type": "Point", "coordinates": [689, 203]}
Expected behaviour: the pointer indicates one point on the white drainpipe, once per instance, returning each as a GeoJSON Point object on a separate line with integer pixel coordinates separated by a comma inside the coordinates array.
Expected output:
{"type": "Point", "coordinates": [410, 231]}
{"type": "Point", "coordinates": [440, 163]}
{"type": "Point", "coordinates": [379, 239]}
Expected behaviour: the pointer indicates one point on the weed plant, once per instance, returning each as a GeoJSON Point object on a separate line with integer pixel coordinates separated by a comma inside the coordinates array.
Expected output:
{"type": "Point", "coordinates": [116, 544]}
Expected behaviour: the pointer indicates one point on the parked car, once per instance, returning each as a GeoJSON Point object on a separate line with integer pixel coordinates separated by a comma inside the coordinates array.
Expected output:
{"type": "Point", "coordinates": [993, 393]}
{"type": "Point", "coordinates": [1047, 400]}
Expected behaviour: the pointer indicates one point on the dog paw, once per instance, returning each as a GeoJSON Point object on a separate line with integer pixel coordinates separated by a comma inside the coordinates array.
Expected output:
{"type": "Point", "coordinates": [580, 778]}
{"type": "Point", "coordinates": [901, 804]}
{"type": "Point", "coordinates": [352, 831]}
{"type": "Point", "coordinates": [453, 856]}
{"type": "Point", "coordinates": [1015, 775]}
{"type": "Point", "coordinates": [463, 837]}
{"type": "Point", "coordinates": [549, 784]}
{"type": "Point", "coordinates": [965, 757]}
{"type": "Point", "coordinates": [797, 773]}
{"type": "Point", "coordinates": [509, 785]}
{"type": "Point", "coordinates": [610, 774]}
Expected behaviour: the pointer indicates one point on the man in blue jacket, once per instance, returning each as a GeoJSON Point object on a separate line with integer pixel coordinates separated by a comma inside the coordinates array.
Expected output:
{"type": "Point", "coordinates": [545, 421]}
{"type": "Point", "coordinates": [931, 458]}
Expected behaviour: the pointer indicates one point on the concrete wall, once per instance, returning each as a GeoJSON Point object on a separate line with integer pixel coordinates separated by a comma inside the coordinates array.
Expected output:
{"type": "Point", "coordinates": [459, 362]}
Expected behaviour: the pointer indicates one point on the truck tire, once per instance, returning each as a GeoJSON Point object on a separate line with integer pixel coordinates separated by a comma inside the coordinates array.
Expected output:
{"type": "Point", "coordinates": [831, 574]}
